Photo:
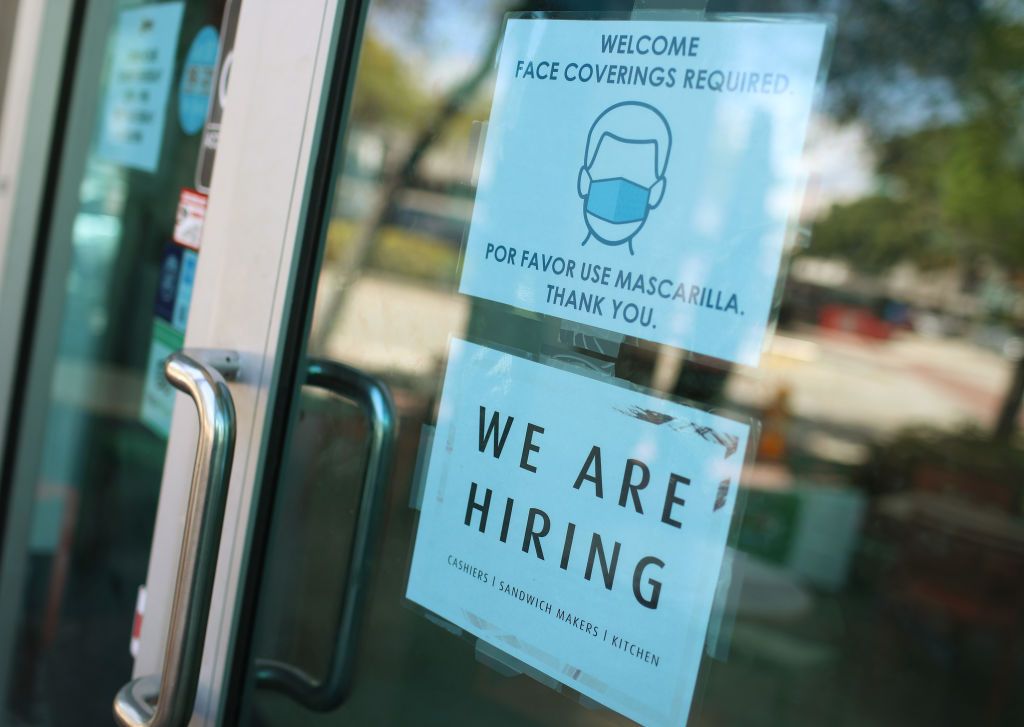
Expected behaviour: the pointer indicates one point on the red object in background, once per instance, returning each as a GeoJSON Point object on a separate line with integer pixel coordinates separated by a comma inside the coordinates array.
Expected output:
{"type": "Point", "coordinates": [140, 610]}
{"type": "Point", "coordinates": [851, 319]}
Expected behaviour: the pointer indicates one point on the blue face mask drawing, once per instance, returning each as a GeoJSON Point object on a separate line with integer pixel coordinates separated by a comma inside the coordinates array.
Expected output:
{"type": "Point", "coordinates": [616, 208]}
{"type": "Point", "coordinates": [623, 173]}
{"type": "Point", "coordinates": [618, 200]}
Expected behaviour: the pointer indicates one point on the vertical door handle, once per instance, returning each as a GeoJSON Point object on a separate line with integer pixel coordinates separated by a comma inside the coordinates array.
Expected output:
{"type": "Point", "coordinates": [167, 700]}
{"type": "Point", "coordinates": [372, 396]}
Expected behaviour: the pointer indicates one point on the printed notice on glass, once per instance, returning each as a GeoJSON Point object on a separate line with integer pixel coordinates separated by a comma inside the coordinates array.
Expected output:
{"type": "Point", "coordinates": [578, 526]}
{"type": "Point", "coordinates": [140, 81]}
{"type": "Point", "coordinates": [640, 176]}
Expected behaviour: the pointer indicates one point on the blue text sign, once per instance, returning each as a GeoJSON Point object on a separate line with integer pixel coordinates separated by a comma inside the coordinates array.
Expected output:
{"type": "Point", "coordinates": [577, 525]}
{"type": "Point", "coordinates": [640, 176]}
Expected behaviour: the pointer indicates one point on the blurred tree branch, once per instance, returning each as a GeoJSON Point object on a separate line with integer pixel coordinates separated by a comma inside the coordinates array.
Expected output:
{"type": "Point", "coordinates": [940, 85]}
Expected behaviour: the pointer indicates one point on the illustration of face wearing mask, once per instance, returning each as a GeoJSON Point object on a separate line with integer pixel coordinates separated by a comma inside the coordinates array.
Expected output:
{"type": "Point", "coordinates": [623, 175]}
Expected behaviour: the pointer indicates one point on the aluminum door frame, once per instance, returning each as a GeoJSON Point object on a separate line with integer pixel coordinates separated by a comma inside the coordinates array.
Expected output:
{"type": "Point", "coordinates": [242, 298]}
{"type": "Point", "coordinates": [27, 121]}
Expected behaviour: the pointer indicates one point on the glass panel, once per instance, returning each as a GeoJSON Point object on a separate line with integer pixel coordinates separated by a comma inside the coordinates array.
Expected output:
{"type": "Point", "coordinates": [876, 569]}
{"type": "Point", "coordinates": [95, 473]}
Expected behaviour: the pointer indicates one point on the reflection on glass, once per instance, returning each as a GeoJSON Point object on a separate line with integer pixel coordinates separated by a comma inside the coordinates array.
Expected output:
{"type": "Point", "coordinates": [94, 476]}
{"type": "Point", "coordinates": [876, 573]}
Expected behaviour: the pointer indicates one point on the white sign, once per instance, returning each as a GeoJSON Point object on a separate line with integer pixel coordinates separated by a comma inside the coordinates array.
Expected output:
{"type": "Point", "coordinates": [577, 525]}
{"type": "Point", "coordinates": [640, 176]}
{"type": "Point", "coordinates": [140, 81]}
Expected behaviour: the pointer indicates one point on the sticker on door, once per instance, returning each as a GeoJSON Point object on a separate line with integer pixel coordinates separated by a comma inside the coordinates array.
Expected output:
{"type": "Point", "coordinates": [577, 525]}
{"type": "Point", "coordinates": [188, 222]}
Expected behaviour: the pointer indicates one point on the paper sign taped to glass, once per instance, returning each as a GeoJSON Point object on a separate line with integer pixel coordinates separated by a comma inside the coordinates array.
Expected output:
{"type": "Point", "coordinates": [640, 176]}
{"type": "Point", "coordinates": [578, 526]}
{"type": "Point", "coordinates": [132, 132]}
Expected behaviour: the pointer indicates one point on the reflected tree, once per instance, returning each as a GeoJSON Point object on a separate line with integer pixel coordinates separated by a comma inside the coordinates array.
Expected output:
{"type": "Point", "coordinates": [435, 122]}
{"type": "Point", "coordinates": [399, 176]}
{"type": "Point", "coordinates": [939, 85]}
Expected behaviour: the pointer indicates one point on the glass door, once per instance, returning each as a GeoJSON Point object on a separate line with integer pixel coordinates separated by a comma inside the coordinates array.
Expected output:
{"type": "Point", "coordinates": [86, 446]}
{"type": "Point", "coordinates": [869, 574]}
{"type": "Point", "coordinates": [145, 246]}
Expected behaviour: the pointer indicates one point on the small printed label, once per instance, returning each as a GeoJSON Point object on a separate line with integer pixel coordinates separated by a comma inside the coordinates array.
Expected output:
{"type": "Point", "coordinates": [167, 286]}
{"type": "Point", "coordinates": [183, 298]}
{"type": "Point", "coordinates": [132, 132]}
{"type": "Point", "coordinates": [140, 610]}
{"type": "Point", "coordinates": [188, 224]}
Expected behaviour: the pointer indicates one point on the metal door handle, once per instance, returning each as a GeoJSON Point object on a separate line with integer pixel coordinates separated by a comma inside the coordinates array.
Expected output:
{"type": "Point", "coordinates": [167, 700]}
{"type": "Point", "coordinates": [372, 396]}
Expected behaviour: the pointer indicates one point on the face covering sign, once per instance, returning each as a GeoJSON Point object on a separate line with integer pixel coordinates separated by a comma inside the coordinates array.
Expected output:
{"type": "Point", "coordinates": [578, 526]}
{"type": "Point", "coordinates": [640, 176]}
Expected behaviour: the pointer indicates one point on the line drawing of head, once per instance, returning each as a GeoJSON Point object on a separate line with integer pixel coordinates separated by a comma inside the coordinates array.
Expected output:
{"type": "Point", "coordinates": [623, 174]}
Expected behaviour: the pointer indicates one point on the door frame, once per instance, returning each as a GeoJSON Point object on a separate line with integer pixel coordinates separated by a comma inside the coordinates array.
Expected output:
{"type": "Point", "coordinates": [52, 83]}
{"type": "Point", "coordinates": [336, 96]}
{"type": "Point", "coordinates": [42, 40]}
{"type": "Point", "coordinates": [273, 156]}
